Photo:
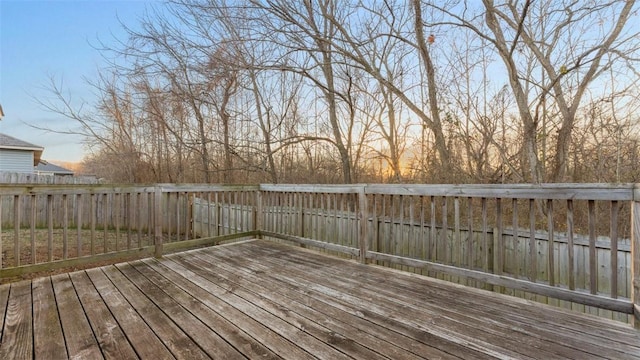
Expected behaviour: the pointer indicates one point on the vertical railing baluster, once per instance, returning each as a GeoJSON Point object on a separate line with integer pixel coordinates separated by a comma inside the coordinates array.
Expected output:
{"type": "Point", "coordinates": [456, 229]}
{"type": "Point", "coordinates": [635, 256]}
{"type": "Point", "coordinates": [32, 228]}
{"type": "Point", "coordinates": [79, 199]}
{"type": "Point", "coordinates": [65, 226]}
{"type": "Point", "coordinates": [614, 248]}
{"type": "Point", "coordinates": [551, 245]}
{"type": "Point", "coordinates": [485, 239]}
{"type": "Point", "coordinates": [364, 224]}
{"type": "Point", "coordinates": [411, 238]}
{"type": "Point", "coordinates": [433, 233]}
{"type": "Point", "coordinates": [423, 248]}
{"type": "Point", "coordinates": [157, 221]}
{"type": "Point", "coordinates": [570, 245]}
{"type": "Point", "coordinates": [499, 244]}
{"type": "Point", "coordinates": [593, 266]}
{"type": "Point", "coordinates": [16, 230]}
{"type": "Point", "coordinates": [445, 232]}
{"type": "Point", "coordinates": [533, 256]}
{"type": "Point", "coordinates": [50, 228]}
{"type": "Point", "coordinates": [92, 210]}
{"type": "Point", "coordinates": [105, 224]}
{"type": "Point", "coordinates": [1, 240]}
{"type": "Point", "coordinates": [401, 251]}
{"type": "Point", "coordinates": [470, 251]}
{"type": "Point", "coordinates": [514, 238]}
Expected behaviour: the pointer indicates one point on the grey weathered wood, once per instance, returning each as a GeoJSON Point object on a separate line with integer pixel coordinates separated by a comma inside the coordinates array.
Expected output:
{"type": "Point", "coordinates": [232, 331]}
{"type": "Point", "coordinates": [613, 256]}
{"type": "Point", "coordinates": [16, 230]}
{"type": "Point", "coordinates": [593, 265]}
{"type": "Point", "coordinates": [635, 257]}
{"type": "Point", "coordinates": [17, 334]}
{"type": "Point", "coordinates": [78, 334]}
{"type": "Point", "coordinates": [537, 288]}
{"type": "Point", "coordinates": [570, 246]}
{"type": "Point", "coordinates": [551, 278]}
{"type": "Point", "coordinates": [143, 339]}
{"type": "Point", "coordinates": [209, 341]}
{"type": "Point", "coordinates": [362, 231]}
{"type": "Point", "coordinates": [157, 221]}
{"type": "Point", "coordinates": [112, 341]}
{"type": "Point", "coordinates": [621, 192]}
{"type": "Point", "coordinates": [48, 338]}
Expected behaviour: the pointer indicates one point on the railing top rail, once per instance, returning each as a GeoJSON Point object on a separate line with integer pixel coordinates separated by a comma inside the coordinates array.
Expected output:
{"type": "Point", "coordinates": [206, 187]}
{"type": "Point", "coordinates": [60, 189]}
{"type": "Point", "coordinates": [595, 191]}
{"type": "Point", "coordinates": [565, 191]}
{"type": "Point", "coordinates": [313, 188]}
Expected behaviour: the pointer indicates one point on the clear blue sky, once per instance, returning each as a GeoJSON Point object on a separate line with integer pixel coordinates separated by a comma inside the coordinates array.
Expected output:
{"type": "Point", "coordinates": [39, 39]}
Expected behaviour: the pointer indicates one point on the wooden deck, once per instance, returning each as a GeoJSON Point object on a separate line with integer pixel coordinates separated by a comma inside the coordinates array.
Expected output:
{"type": "Point", "coordinates": [260, 299]}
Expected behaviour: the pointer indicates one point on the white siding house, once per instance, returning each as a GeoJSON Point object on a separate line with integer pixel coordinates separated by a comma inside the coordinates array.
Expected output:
{"type": "Point", "coordinates": [18, 156]}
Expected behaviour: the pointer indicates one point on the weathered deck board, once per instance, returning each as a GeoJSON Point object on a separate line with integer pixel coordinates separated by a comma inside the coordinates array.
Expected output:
{"type": "Point", "coordinates": [265, 300]}
{"type": "Point", "coordinates": [17, 333]}
{"type": "Point", "coordinates": [48, 339]}
{"type": "Point", "coordinates": [79, 338]}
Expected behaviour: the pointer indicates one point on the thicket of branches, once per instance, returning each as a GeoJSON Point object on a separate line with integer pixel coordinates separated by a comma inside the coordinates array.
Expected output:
{"type": "Point", "coordinates": [352, 91]}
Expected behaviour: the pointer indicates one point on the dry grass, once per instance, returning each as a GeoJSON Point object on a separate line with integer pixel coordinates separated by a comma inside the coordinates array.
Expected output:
{"type": "Point", "coordinates": [34, 247]}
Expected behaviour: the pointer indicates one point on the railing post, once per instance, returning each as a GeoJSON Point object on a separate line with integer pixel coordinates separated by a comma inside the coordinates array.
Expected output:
{"type": "Point", "coordinates": [157, 221]}
{"type": "Point", "coordinates": [635, 255]}
{"type": "Point", "coordinates": [364, 224]}
{"type": "Point", "coordinates": [259, 215]}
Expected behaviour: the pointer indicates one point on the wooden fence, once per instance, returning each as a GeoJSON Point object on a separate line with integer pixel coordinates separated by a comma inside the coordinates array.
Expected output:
{"type": "Point", "coordinates": [575, 245]}
{"type": "Point", "coordinates": [27, 178]}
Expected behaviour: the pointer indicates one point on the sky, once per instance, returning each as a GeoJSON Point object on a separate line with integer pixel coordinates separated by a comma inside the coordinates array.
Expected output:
{"type": "Point", "coordinates": [40, 40]}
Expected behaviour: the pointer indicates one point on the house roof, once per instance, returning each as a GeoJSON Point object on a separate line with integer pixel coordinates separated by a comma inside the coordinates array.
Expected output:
{"type": "Point", "coordinates": [46, 166]}
{"type": "Point", "coordinates": [9, 142]}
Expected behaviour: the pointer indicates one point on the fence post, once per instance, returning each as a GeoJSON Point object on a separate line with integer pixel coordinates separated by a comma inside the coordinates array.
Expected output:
{"type": "Point", "coordinates": [635, 255]}
{"type": "Point", "coordinates": [364, 223]}
{"type": "Point", "coordinates": [257, 223]}
{"type": "Point", "coordinates": [157, 220]}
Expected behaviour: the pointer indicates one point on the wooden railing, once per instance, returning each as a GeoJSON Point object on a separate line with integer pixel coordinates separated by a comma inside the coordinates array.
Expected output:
{"type": "Point", "coordinates": [574, 245]}
{"type": "Point", "coordinates": [44, 227]}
